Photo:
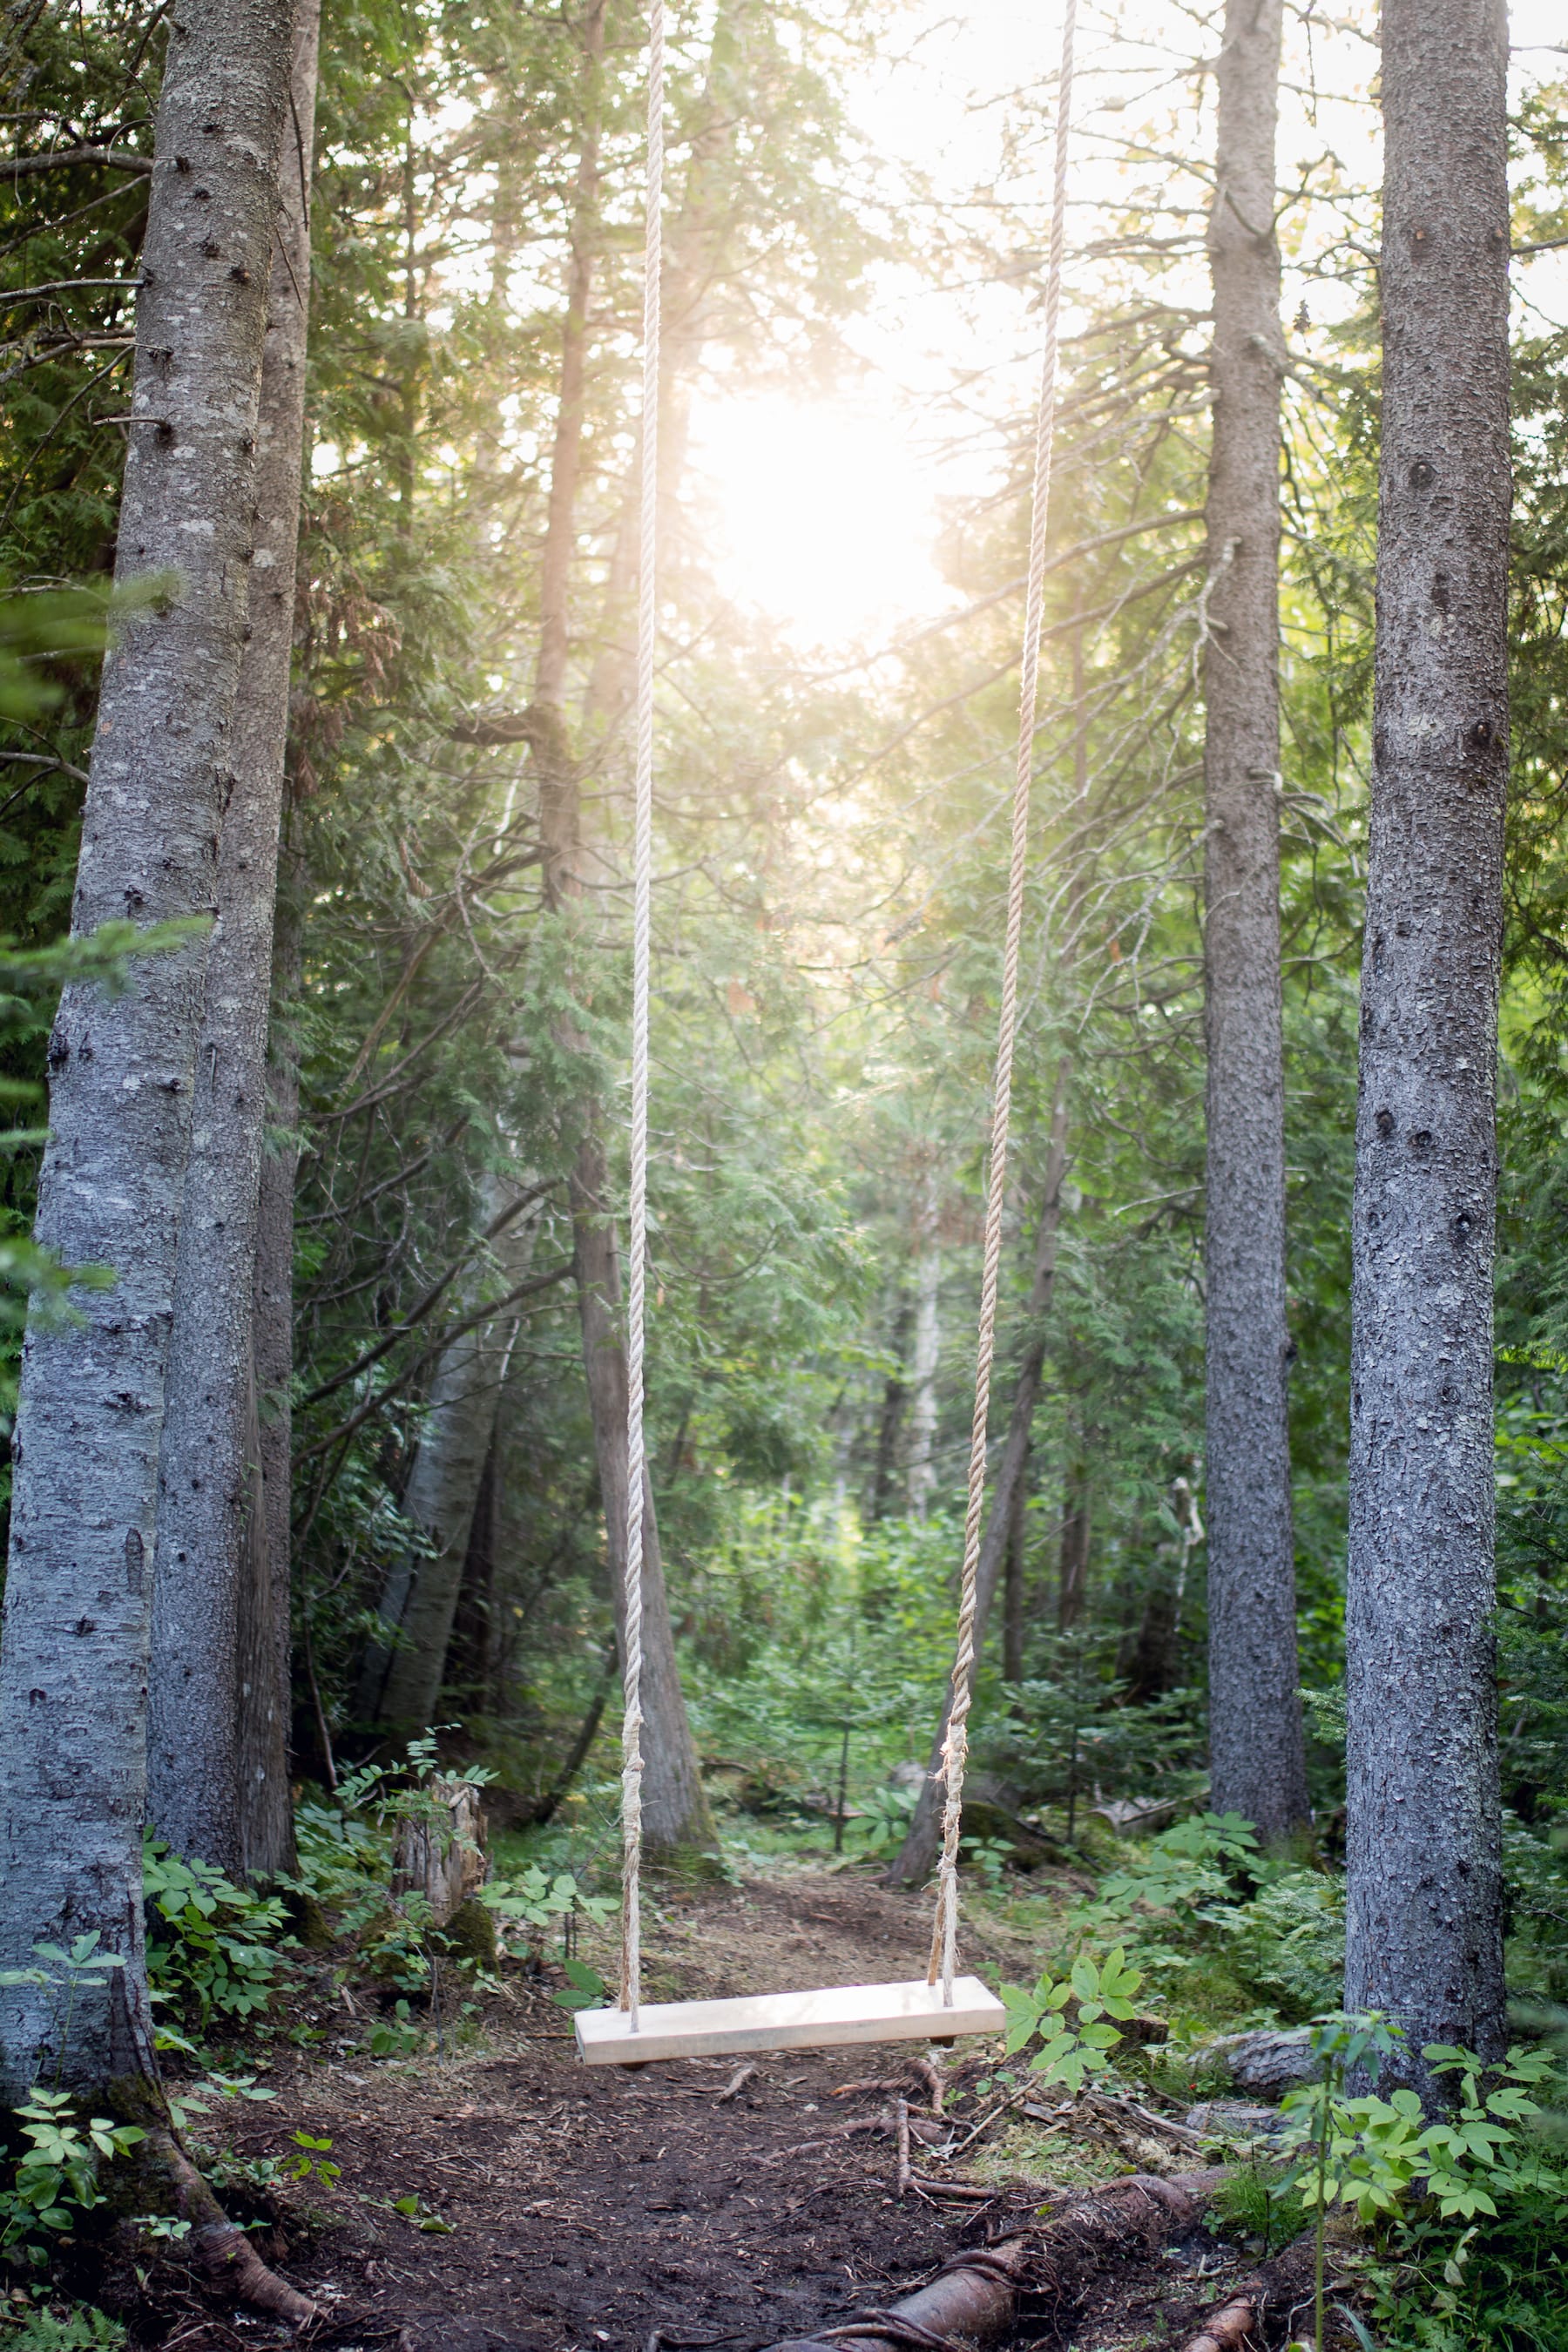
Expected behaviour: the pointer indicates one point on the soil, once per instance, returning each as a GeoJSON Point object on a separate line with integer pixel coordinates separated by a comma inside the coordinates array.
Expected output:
{"type": "Point", "coordinates": [568, 2210]}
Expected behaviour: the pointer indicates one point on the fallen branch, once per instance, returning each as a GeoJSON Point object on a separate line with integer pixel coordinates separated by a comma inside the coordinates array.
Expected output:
{"type": "Point", "coordinates": [903, 2114]}
{"type": "Point", "coordinates": [924, 2068]}
{"type": "Point", "coordinates": [741, 2075]}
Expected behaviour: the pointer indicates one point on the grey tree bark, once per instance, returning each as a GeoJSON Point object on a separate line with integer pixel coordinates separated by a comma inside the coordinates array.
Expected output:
{"type": "Point", "coordinates": [400, 1684]}
{"type": "Point", "coordinates": [1424, 1862]}
{"type": "Point", "coordinates": [917, 1856]}
{"type": "Point", "coordinates": [1256, 1748]}
{"type": "Point", "coordinates": [212, 1554]}
{"type": "Point", "coordinates": [79, 1595]}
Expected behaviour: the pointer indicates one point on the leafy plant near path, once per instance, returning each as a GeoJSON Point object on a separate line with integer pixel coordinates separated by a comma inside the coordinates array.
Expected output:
{"type": "Point", "coordinates": [39, 2330]}
{"type": "Point", "coordinates": [212, 1947]}
{"type": "Point", "coordinates": [1414, 2179]}
{"type": "Point", "coordinates": [537, 1897]}
{"type": "Point", "coordinates": [56, 2180]}
{"type": "Point", "coordinates": [1072, 2049]}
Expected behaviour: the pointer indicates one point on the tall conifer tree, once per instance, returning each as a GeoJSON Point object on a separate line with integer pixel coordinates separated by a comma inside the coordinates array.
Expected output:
{"type": "Point", "coordinates": [217, 1774]}
{"type": "Point", "coordinates": [1256, 1752]}
{"type": "Point", "coordinates": [1424, 1847]}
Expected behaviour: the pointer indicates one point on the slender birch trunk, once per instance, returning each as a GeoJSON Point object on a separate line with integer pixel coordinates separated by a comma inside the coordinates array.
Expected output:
{"type": "Point", "coordinates": [79, 1594]}
{"type": "Point", "coordinates": [917, 1854]}
{"type": "Point", "coordinates": [211, 1509]}
{"type": "Point", "coordinates": [401, 1682]}
{"type": "Point", "coordinates": [1256, 1749]}
{"type": "Point", "coordinates": [1425, 1914]}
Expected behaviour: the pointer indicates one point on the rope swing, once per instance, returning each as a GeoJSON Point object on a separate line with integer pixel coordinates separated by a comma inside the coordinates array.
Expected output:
{"type": "Point", "coordinates": [956, 1746]}
{"type": "Point", "coordinates": [945, 2005]}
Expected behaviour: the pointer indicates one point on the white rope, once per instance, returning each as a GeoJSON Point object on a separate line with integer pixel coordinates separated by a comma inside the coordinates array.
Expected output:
{"type": "Point", "coordinates": [642, 861]}
{"type": "Point", "coordinates": [955, 1748]}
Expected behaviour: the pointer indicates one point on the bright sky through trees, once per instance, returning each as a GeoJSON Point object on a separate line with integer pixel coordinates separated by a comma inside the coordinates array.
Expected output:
{"type": "Point", "coordinates": [827, 504]}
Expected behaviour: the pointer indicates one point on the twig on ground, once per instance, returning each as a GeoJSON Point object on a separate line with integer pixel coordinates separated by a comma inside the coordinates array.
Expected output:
{"type": "Point", "coordinates": [742, 2074]}
{"type": "Point", "coordinates": [968, 2192]}
{"type": "Point", "coordinates": [993, 2115]}
{"type": "Point", "coordinates": [903, 2114]}
{"type": "Point", "coordinates": [1160, 2126]}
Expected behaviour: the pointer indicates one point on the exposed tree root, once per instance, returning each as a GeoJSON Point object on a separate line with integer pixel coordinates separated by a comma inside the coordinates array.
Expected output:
{"type": "Point", "coordinates": [163, 2180]}
{"type": "Point", "coordinates": [974, 2299]}
{"type": "Point", "coordinates": [1280, 2288]}
{"type": "Point", "coordinates": [1227, 2329]}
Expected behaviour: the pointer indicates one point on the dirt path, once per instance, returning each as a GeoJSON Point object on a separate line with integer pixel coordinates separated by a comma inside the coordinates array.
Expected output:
{"type": "Point", "coordinates": [566, 2210]}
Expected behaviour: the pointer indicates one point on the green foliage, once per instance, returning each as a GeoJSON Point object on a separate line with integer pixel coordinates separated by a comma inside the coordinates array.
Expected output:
{"type": "Point", "coordinates": [1072, 2049]}
{"type": "Point", "coordinates": [212, 1947]}
{"type": "Point", "coordinates": [886, 1818]}
{"type": "Point", "coordinates": [585, 1987]}
{"type": "Point", "coordinates": [539, 1898]}
{"type": "Point", "coordinates": [1494, 2286]}
{"type": "Point", "coordinates": [55, 2180]}
{"type": "Point", "coordinates": [43, 2329]}
{"type": "Point", "coordinates": [394, 2035]}
{"type": "Point", "coordinates": [1370, 2153]}
{"type": "Point", "coordinates": [1259, 2200]}
{"type": "Point", "coordinates": [1278, 1936]}
{"type": "Point", "coordinates": [309, 2158]}
{"type": "Point", "coordinates": [1422, 2176]}
{"type": "Point", "coordinates": [1287, 1944]}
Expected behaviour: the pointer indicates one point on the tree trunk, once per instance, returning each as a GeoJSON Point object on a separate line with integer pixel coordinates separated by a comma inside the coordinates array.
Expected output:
{"type": "Point", "coordinates": [1077, 1525]}
{"type": "Point", "coordinates": [401, 1683]}
{"type": "Point", "coordinates": [1256, 1749]}
{"type": "Point", "coordinates": [267, 1817]}
{"type": "Point", "coordinates": [209, 1502]}
{"type": "Point", "coordinates": [890, 1419]}
{"type": "Point", "coordinates": [917, 1854]}
{"type": "Point", "coordinates": [1423, 1848]}
{"type": "Point", "coordinates": [674, 1808]}
{"type": "Point", "coordinates": [79, 1596]}
{"type": "Point", "coordinates": [1146, 1662]}
{"type": "Point", "coordinates": [1014, 1614]}
{"type": "Point", "coordinates": [928, 1353]}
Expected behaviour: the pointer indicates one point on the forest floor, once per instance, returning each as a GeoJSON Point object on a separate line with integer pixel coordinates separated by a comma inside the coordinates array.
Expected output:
{"type": "Point", "coordinates": [562, 2209]}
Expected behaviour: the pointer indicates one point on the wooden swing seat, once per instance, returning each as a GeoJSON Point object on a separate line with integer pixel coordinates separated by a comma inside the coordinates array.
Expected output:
{"type": "Point", "coordinates": [788, 2021]}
